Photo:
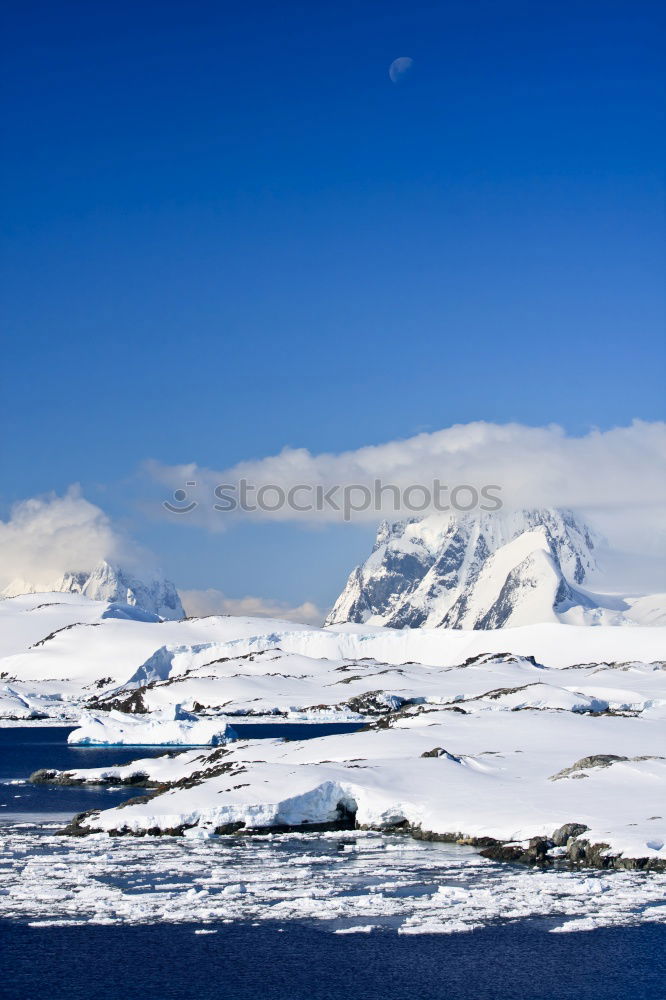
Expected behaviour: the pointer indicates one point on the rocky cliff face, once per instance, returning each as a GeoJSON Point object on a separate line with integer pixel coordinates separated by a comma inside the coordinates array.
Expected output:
{"type": "Point", "coordinates": [472, 571]}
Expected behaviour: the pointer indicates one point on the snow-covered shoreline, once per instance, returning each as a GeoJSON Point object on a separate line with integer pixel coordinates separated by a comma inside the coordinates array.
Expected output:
{"type": "Point", "coordinates": [339, 882]}
{"type": "Point", "coordinates": [492, 737]}
{"type": "Point", "coordinates": [414, 774]}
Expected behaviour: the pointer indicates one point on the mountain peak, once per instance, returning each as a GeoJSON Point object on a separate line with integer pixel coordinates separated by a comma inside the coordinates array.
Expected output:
{"type": "Point", "coordinates": [474, 570]}
{"type": "Point", "coordinates": [114, 584]}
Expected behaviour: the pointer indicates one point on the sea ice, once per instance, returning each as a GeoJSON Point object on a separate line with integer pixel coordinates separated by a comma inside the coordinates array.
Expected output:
{"type": "Point", "coordinates": [170, 727]}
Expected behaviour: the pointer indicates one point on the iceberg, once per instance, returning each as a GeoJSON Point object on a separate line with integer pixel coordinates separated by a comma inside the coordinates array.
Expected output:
{"type": "Point", "coordinates": [171, 727]}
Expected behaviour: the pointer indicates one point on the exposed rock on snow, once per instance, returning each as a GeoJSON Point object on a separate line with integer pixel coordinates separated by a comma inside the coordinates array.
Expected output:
{"type": "Point", "coordinates": [49, 776]}
{"type": "Point", "coordinates": [279, 683]}
{"type": "Point", "coordinates": [582, 766]}
{"type": "Point", "coordinates": [171, 727]}
{"type": "Point", "coordinates": [484, 571]}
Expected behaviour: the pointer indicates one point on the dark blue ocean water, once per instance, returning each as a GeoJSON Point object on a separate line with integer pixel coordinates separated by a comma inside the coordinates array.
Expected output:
{"type": "Point", "coordinates": [171, 962]}
{"type": "Point", "coordinates": [519, 961]}
{"type": "Point", "coordinates": [24, 749]}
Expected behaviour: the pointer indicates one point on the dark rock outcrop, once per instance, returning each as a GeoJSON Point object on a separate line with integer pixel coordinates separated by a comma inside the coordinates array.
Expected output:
{"type": "Point", "coordinates": [51, 777]}
{"type": "Point", "coordinates": [579, 852]}
{"type": "Point", "coordinates": [440, 752]}
{"type": "Point", "coordinates": [568, 831]}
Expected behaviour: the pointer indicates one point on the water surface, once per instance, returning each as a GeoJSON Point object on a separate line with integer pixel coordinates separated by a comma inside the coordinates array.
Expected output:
{"type": "Point", "coordinates": [25, 749]}
{"type": "Point", "coordinates": [241, 962]}
{"type": "Point", "coordinates": [295, 917]}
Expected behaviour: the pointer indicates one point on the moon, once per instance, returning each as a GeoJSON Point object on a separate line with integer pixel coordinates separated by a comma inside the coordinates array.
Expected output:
{"type": "Point", "coordinates": [399, 67]}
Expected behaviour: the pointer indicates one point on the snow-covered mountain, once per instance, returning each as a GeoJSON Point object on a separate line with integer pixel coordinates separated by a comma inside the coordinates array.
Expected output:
{"type": "Point", "coordinates": [480, 571]}
{"type": "Point", "coordinates": [113, 584]}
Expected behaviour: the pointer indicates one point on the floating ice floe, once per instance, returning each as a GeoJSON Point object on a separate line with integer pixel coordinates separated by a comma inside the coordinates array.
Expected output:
{"type": "Point", "coordinates": [343, 882]}
{"type": "Point", "coordinates": [171, 727]}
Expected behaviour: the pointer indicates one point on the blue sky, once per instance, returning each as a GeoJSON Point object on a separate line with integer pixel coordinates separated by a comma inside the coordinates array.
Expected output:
{"type": "Point", "coordinates": [227, 231]}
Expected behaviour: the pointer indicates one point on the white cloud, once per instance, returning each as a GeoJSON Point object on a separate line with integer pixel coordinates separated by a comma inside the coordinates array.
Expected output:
{"type": "Point", "coordinates": [214, 602]}
{"type": "Point", "coordinates": [46, 536]}
{"type": "Point", "coordinates": [617, 478]}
